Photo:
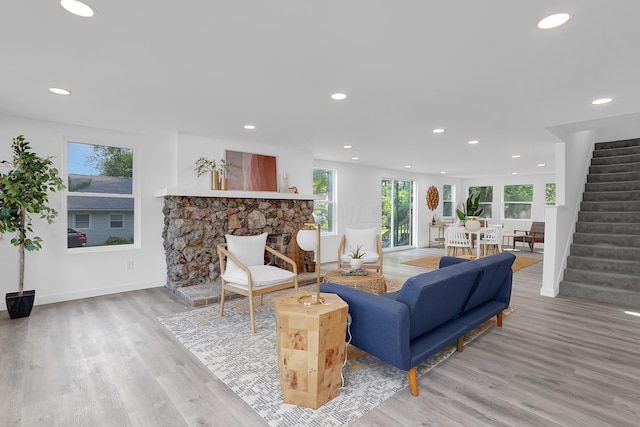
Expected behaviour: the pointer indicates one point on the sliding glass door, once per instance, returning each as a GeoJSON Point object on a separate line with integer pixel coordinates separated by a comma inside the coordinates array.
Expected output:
{"type": "Point", "coordinates": [397, 213]}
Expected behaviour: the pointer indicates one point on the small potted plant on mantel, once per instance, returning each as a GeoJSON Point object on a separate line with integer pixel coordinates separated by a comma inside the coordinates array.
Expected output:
{"type": "Point", "coordinates": [216, 167]}
{"type": "Point", "coordinates": [23, 192]}
{"type": "Point", "coordinates": [204, 165]}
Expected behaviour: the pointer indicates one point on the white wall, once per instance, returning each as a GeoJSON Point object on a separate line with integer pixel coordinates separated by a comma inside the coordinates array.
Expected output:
{"type": "Point", "coordinates": [60, 274]}
{"type": "Point", "coordinates": [539, 190]}
{"type": "Point", "coordinates": [298, 164]}
{"type": "Point", "coordinates": [359, 200]}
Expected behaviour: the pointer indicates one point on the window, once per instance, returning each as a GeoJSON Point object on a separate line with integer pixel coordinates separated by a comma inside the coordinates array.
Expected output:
{"type": "Point", "coordinates": [447, 201]}
{"type": "Point", "coordinates": [323, 209]}
{"type": "Point", "coordinates": [116, 221]}
{"type": "Point", "coordinates": [100, 196]}
{"type": "Point", "coordinates": [550, 194]}
{"type": "Point", "coordinates": [518, 200]}
{"type": "Point", "coordinates": [397, 213]}
{"type": "Point", "coordinates": [485, 200]}
{"type": "Point", "coordinates": [82, 221]}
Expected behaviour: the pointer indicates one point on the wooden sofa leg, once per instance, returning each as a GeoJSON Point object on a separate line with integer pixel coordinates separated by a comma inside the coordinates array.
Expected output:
{"type": "Point", "coordinates": [413, 380]}
{"type": "Point", "coordinates": [460, 343]}
{"type": "Point", "coordinates": [499, 319]}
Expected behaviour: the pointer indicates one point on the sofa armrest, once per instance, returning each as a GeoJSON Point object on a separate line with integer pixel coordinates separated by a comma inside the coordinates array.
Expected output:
{"type": "Point", "coordinates": [379, 325]}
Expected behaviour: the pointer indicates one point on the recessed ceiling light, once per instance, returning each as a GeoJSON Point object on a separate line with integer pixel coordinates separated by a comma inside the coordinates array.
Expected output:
{"type": "Point", "coordinates": [541, 165]}
{"type": "Point", "coordinates": [443, 171]}
{"type": "Point", "coordinates": [438, 130]}
{"type": "Point", "coordinates": [355, 158]}
{"type": "Point", "coordinates": [77, 8]}
{"type": "Point", "coordinates": [514, 173]}
{"type": "Point", "coordinates": [601, 101]}
{"type": "Point", "coordinates": [633, 313]}
{"type": "Point", "coordinates": [347, 146]}
{"type": "Point", "coordinates": [473, 142]}
{"type": "Point", "coordinates": [339, 96]}
{"type": "Point", "coordinates": [249, 127]}
{"type": "Point", "coordinates": [515, 156]}
{"type": "Point", "coordinates": [407, 167]}
{"type": "Point", "coordinates": [59, 91]}
{"type": "Point", "coordinates": [553, 21]}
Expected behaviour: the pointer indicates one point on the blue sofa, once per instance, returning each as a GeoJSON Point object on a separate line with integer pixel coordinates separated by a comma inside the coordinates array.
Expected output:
{"type": "Point", "coordinates": [431, 310]}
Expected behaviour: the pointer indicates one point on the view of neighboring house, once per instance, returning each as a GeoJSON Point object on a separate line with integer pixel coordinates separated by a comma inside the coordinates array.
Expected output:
{"type": "Point", "coordinates": [94, 210]}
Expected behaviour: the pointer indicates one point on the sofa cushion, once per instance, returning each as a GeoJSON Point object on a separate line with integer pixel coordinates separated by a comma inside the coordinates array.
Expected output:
{"type": "Point", "coordinates": [367, 258]}
{"type": "Point", "coordinates": [437, 296]}
{"type": "Point", "coordinates": [495, 270]}
{"type": "Point", "coordinates": [248, 249]}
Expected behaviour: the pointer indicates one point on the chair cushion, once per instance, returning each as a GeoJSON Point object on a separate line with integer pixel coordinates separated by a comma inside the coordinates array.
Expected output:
{"type": "Point", "coordinates": [248, 249]}
{"type": "Point", "coordinates": [366, 238]}
{"type": "Point", "coordinates": [367, 258]}
{"type": "Point", "coordinates": [261, 276]}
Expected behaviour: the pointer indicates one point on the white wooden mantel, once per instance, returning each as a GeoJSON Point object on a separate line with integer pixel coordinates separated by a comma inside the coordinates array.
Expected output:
{"type": "Point", "coordinates": [234, 194]}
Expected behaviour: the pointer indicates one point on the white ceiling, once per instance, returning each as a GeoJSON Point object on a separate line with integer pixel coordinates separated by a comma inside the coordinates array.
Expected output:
{"type": "Point", "coordinates": [480, 69]}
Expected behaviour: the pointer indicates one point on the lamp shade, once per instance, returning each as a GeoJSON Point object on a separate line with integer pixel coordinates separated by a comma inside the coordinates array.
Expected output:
{"type": "Point", "coordinates": [307, 239]}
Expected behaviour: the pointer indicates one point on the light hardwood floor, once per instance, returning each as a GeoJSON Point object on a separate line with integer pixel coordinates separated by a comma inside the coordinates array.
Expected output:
{"type": "Point", "coordinates": [107, 361]}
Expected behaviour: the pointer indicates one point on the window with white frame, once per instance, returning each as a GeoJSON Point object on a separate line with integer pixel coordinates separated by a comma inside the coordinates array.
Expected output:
{"type": "Point", "coordinates": [324, 208]}
{"type": "Point", "coordinates": [518, 201]}
{"type": "Point", "coordinates": [447, 200]}
{"type": "Point", "coordinates": [485, 200]}
{"type": "Point", "coordinates": [116, 221]}
{"type": "Point", "coordinates": [82, 221]}
{"type": "Point", "coordinates": [100, 192]}
{"type": "Point", "coordinates": [550, 194]}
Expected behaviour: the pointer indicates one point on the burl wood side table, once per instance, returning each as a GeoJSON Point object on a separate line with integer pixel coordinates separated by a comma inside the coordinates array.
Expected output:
{"type": "Point", "coordinates": [311, 346]}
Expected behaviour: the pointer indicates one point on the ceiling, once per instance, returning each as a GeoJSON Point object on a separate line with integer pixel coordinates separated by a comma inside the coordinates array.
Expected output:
{"type": "Point", "coordinates": [482, 70]}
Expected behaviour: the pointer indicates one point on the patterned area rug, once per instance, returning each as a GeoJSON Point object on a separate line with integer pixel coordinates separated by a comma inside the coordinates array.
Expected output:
{"type": "Point", "coordinates": [248, 364]}
{"type": "Point", "coordinates": [433, 262]}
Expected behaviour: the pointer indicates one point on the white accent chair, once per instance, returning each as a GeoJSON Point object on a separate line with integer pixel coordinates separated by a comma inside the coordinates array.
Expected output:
{"type": "Point", "coordinates": [456, 238]}
{"type": "Point", "coordinates": [243, 272]}
{"type": "Point", "coordinates": [370, 243]}
{"type": "Point", "coordinates": [492, 240]}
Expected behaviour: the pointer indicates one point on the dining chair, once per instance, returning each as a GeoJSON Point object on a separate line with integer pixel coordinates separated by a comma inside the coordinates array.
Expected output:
{"type": "Point", "coordinates": [243, 271]}
{"type": "Point", "coordinates": [457, 237]}
{"type": "Point", "coordinates": [492, 240]}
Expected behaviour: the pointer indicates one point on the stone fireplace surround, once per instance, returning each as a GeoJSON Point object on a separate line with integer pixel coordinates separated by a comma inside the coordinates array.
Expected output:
{"type": "Point", "coordinates": [195, 221]}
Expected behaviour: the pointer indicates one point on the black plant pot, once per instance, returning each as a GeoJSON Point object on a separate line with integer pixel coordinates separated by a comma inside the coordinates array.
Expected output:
{"type": "Point", "coordinates": [20, 305]}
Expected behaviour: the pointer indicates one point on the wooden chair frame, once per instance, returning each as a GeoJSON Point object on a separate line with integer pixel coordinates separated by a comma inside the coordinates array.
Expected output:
{"type": "Point", "coordinates": [223, 254]}
{"type": "Point", "coordinates": [532, 236]}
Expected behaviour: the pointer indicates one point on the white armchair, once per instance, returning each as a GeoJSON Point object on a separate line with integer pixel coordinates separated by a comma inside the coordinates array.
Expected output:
{"type": "Point", "coordinates": [370, 243]}
{"type": "Point", "coordinates": [242, 270]}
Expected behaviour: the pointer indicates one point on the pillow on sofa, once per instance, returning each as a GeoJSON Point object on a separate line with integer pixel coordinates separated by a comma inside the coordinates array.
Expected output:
{"type": "Point", "coordinates": [435, 297]}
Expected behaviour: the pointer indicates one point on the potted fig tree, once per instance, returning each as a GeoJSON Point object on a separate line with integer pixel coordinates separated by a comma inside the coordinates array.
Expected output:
{"type": "Point", "coordinates": [24, 191]}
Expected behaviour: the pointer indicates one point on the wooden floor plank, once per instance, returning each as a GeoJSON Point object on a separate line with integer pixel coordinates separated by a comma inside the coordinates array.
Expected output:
{"type": "Point", "coordinates": [108, 361]}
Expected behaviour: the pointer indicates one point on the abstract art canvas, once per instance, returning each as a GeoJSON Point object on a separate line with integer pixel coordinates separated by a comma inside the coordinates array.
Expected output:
{"type": "Point", "coordinates": [253, 172]}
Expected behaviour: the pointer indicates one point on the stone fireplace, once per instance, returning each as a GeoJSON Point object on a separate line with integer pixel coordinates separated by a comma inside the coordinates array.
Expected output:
{"type": "Point", "coordinates": [195, 224]}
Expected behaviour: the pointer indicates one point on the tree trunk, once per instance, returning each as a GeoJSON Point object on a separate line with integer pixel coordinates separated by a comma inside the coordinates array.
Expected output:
{"type": "Point", "coordinates": [21, 252]}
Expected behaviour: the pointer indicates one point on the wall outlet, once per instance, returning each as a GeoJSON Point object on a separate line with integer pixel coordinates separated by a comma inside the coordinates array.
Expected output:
{"type": "Point", "coordinates": [130, 264]}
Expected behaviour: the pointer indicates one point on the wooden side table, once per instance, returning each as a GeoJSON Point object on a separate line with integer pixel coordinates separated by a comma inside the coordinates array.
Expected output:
{"type": "Point", "coordinates": [373, 282]}
{"type": "Point", "coordinates": [311, 346]}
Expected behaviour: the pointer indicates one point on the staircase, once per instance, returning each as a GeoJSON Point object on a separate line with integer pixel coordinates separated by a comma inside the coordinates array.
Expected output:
{"type": "Point", "coordinates": [604, 260]}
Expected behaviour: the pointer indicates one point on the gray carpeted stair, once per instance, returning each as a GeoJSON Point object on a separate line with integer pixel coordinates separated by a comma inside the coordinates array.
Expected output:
{"type": "Point", "coordinates": [604, 261]}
